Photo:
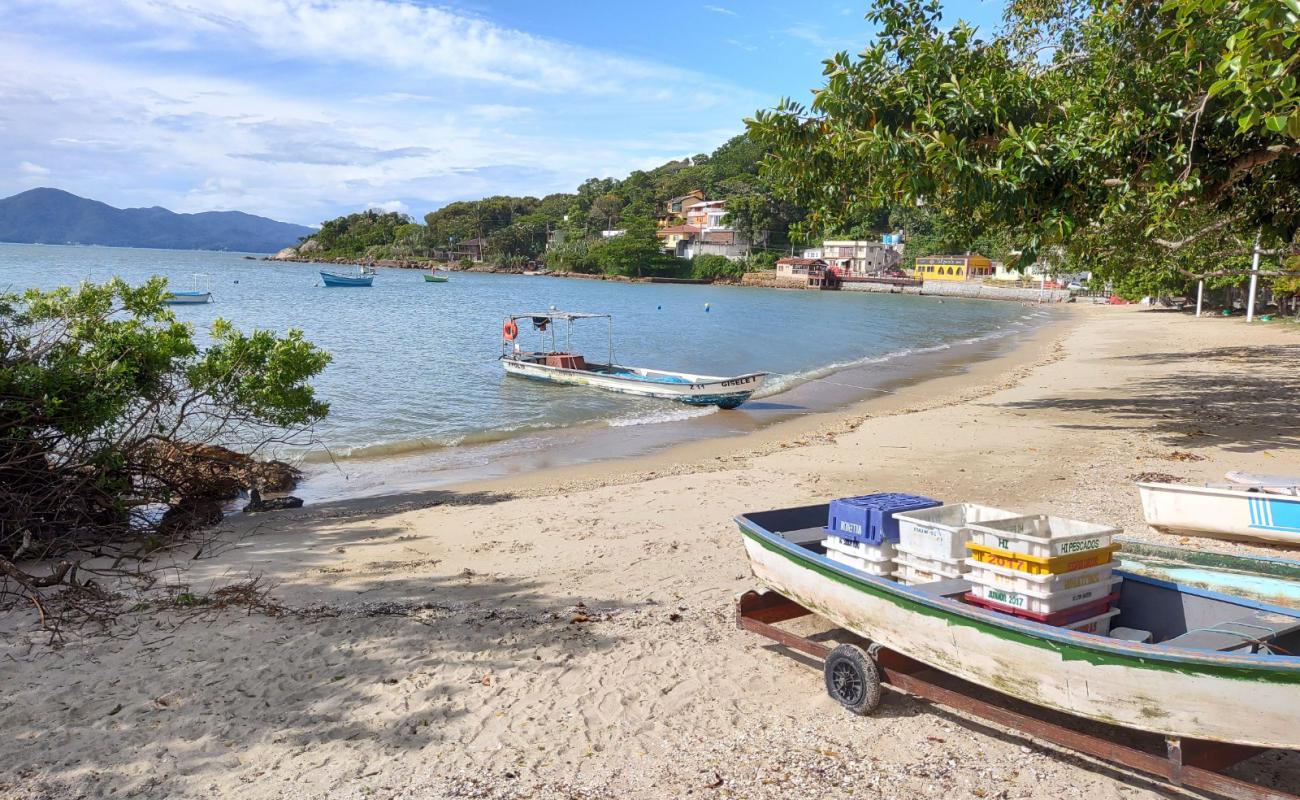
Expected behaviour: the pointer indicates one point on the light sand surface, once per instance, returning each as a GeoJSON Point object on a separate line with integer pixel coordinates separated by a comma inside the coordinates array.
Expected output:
{"type": "Point", "coordinates": [570, 633]}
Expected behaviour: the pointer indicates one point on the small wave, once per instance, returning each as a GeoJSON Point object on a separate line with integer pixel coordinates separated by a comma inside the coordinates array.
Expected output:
{"type": "Point", "coordinates": [403, 447]}
{"type": "Point", "coordinates": [657, 417]}
{"type": "Point", "coordinates": [785, 382]}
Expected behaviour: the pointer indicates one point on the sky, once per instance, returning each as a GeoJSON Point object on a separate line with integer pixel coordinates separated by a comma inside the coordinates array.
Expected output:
{"type": "Point", "coordinates": [302, 110]}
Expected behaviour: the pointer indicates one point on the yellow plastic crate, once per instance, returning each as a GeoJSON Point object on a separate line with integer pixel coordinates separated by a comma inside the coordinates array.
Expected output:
{"type": "Point", "coordinates": [1037, 565]}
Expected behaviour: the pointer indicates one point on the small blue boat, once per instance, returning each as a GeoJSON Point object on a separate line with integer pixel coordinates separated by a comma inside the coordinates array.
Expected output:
{"type": "Point", "coordinates": [365, 278]}
{"type": "Point", "coordinates": [199, 295]}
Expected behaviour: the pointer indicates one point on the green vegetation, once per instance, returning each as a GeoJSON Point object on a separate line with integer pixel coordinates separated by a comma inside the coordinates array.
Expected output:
{"type": "Point", "coordinates": [1149, 142]}
{"type": "Point", "coordinates": [515, 230]}
{"type": "Point", "coordinates": [108, 399]}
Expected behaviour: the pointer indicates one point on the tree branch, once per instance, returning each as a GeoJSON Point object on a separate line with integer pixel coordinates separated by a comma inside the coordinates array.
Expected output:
{"type": "Point", "coordinates": [1179, 244]}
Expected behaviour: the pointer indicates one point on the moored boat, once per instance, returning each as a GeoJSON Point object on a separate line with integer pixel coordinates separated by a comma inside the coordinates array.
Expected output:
{"type": "Point", "coordinates": [1217, 668]}
{"type": "Point", "coordinates": [1218, 512]}
{"type": "Point", "coordinates": [187, 298]}
{"type": "Point", "coordinates": [433, 277]}
{"type": "Point", "coordinates": [565, 367]}
{"type": "Point", "coordinates": [199, 295]}
{"type": "Point", "coordinates": [366, 277]}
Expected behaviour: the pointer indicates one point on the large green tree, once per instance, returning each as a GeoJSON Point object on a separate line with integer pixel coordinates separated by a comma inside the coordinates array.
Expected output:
{"type": "Point", "coordinates": [1123, 124]}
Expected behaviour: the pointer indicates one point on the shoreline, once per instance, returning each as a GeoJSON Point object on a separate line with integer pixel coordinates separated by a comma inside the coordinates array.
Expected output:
{"type": "Point", "coordinates": [843, 396]}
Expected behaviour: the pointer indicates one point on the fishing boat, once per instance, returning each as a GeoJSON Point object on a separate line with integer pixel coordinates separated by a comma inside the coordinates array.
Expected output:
{"type": "Point", "coordinates": [365, 277]}
{"type": "Point", "coordinates": [199, 295]}
{"type": "Point", "coordinates": [1263, 578]}
{"type": "Point", "coordinates": [566, 367]}
{"type": "Point", "coordinates": [1218, 668]}
{"type": "Point", "coordinates": [433, 277]}
{"type": "Point", "coordinates": [1232, 513]}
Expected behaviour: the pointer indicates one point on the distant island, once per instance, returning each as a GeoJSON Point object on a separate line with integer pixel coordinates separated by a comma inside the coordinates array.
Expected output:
{"type": "Point", "coordinates": [53, 216]}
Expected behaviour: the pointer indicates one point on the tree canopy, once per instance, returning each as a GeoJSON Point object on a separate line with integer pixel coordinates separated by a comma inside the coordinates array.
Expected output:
{"type": "Point", "coordinates": [1097, 124]}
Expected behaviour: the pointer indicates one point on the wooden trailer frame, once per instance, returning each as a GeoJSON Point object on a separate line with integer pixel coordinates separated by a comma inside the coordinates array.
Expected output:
{"type": "Point", "coordinates": [1190, 763]}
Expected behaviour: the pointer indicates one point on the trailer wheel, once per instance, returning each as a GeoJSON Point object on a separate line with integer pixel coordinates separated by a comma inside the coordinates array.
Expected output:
{"type": "Point", "coordinates": [852, 679]}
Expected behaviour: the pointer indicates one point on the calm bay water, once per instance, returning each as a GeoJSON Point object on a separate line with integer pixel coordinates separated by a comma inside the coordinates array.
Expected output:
{"type": "Point", "coordinates": [415, 364]}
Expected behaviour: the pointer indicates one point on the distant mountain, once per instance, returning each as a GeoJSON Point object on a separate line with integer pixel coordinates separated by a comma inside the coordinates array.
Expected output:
{"type": "Point", "coordinates": [53, 216]}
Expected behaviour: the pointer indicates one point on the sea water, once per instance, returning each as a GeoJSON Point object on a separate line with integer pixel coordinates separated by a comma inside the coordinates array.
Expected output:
{"type": "Point", "coordinates": [416, 364]}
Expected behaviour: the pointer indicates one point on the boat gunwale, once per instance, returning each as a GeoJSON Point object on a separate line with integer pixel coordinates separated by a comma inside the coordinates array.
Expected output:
{"type": "Point", "coordinates": [1243, 493]}
{"type": "Point", "coordinates": [696, 380]}
{"type": "Point", "coordinates": [1288, 666]}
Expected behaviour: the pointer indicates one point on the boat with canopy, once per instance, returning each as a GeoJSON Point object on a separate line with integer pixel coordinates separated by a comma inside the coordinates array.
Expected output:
{"type": "Point", "coordinates": [556, 365]}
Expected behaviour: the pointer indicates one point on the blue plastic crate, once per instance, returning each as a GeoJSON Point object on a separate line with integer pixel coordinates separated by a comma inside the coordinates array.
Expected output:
{"type": "Point", "coordinates": [870, 518]}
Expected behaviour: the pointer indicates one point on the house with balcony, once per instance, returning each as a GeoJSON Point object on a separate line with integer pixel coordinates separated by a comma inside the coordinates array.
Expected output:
{"type": "Point", "coordinates": [860, 258]}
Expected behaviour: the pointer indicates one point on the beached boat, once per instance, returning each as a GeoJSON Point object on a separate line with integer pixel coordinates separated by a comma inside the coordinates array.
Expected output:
{"type": "Point", "coordinates": [1273, 484]}
{"type": "Point", "coordinates": [1219, 668]}
{"type": "Point", "coordinates": [200, 294]}
{"type": "Point", "coordinates": [366, 277]}
{"type": "Point", "coordinates": [433, 277]}
{"type": "Point", "coordinates": [1226, 513]}
{"type": "Point", "coordinates": [564, 366]}
{"type": "Point", "coordinates": [1263, 578]}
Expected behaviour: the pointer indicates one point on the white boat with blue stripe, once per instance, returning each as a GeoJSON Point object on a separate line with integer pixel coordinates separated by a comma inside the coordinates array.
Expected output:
{"type": "Point", "coordinates": [563, 366]}
{"type": "Point", "coordinates": [1222, 512]}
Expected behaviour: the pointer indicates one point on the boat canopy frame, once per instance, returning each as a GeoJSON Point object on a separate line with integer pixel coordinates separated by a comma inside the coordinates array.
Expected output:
{"type": "Point", "coordinates": [551, 317]}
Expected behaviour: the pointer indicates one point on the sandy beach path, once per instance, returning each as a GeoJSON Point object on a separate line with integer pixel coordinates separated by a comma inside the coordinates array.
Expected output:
{"type": "Point", "coordinates": [569, 634]}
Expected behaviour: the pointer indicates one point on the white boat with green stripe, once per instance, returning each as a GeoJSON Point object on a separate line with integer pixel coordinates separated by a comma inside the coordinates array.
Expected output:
{"type": "Point", "coordinates": [1219, 668]}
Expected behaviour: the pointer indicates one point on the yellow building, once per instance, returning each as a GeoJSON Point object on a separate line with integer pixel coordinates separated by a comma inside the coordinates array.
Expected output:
{"type": "Point", "coordinates": [953, 268]}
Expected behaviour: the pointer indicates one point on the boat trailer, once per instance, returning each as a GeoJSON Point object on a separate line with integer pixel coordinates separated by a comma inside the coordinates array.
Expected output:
{"type": "Point", "coordinates": [1189, 763]}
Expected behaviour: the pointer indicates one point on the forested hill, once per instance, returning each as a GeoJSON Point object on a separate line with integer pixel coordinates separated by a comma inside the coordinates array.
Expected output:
{"type": "Point", "coordinates": [53, 216]}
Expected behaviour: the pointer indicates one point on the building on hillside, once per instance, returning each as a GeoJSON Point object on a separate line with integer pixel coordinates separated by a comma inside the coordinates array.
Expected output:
{"type": "Point", "coordinates": [859, 258]}
{"type": "Point", "coordinates": [813, 252]}
{"type": "Point", "coordinates": [953, 268]}
{"type": "Point", "coordinates": [707, 215]}
{"type": "Point", "coordinates": [811, 272]}
{"type": "Point", "coordinates": [677, 239]}
{"type": "Point", "coordinates": [555, 238]}
{"type": "Point", "coordinates": [613, 233]}
{"type": "Point", "coordinates": [678, 206]}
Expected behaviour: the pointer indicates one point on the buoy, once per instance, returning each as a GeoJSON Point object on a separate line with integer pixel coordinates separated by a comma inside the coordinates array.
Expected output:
{"type": "Point", "coordinates": [659, 308]}
{"type": "Point", "coordinates": [706, 308]}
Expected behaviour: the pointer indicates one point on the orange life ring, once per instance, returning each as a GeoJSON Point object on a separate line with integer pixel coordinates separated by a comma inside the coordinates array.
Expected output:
{"type": "Point", "coordinates": [510, 331]}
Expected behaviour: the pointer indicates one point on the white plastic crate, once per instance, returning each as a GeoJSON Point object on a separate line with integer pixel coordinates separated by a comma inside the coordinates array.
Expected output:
{"type": "Point", "coordinates": [942, 532]}
{"type": "Point", "coordinates": [1098, 625]}
{"type": "Point", "coordinates": [881, 569]}
{"type": "Point", "coordinates": [907, 572]}
{"type": "Point", "coordinates": [872, 552]}
{"type": "Point", "coordinates": [948, 567]}
{"type": "Point", "coordinates": [1042, 536]}
{"type": "Point", "coordinates": [1016, 581]}
{"type": "Point", "coordinates": [1044, 602]}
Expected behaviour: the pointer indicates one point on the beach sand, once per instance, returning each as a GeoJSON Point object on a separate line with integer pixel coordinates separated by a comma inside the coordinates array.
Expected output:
{"type": "Point", "coordinates": [569, 633]}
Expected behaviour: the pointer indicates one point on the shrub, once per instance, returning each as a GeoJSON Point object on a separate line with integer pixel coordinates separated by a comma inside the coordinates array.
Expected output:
{"type": "Point", "coordinates": [712, 267]}
{"type": "Point", "coordinates": [99, 385]}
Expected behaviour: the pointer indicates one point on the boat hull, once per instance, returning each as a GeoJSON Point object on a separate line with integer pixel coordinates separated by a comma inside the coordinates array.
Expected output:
{"type": "Point", "coordinates": [188, 298]}
{"type": "Point", "coordinates": [721, 392]}
{"type": "Point", "coordinates": [434, 279]}
{"type": "Point", "coordinates": [1193, 694]}
{"type": "Point", "coordinates": [1223, 513]}
{"type": "Point", "coordinates": [340, 281]}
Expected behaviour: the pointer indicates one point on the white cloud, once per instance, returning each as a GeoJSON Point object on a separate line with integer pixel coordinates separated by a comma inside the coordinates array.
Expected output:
{"type": "Point", "coordinates": [390, 206]}
{"type": "Point", "coordinates": [721, 10]}
{"type": "Point", "coordinates": [36, 170]}
{"type": "Point", "coordinates": [422, 40]}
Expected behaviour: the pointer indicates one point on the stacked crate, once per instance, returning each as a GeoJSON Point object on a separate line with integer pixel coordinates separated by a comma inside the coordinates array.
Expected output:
{"type": "Point", "coordinates": [932, 541]}
{"type": "Point", "coordinates": [1049, 569]}
{"type": "Point", "coordinates": [862, 532]}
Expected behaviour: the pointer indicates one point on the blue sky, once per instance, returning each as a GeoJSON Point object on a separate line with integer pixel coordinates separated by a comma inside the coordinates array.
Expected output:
{"type": "Point", "coordinates": [305, 109]}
